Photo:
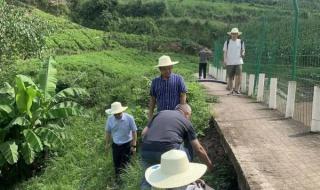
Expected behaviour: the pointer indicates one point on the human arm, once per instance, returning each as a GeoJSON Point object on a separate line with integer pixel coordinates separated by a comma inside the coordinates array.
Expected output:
{"type": "Point", "coordinates": [107, 134]}
{"type": "Point", "coordinates": [144, 132]}
{"type": "Point", "coordinates": [134, 129]}
{"type": "Point", "coordinates": [183, 92]}
{"type": "Point", "coordinates": [201, 153]}
{"type": "Point", "coordinates": [134, 142]}
{"type": "Point", "coordinates": [152, 104]}
{"type": "Point", "coordinates": [225, 53]}
{"type": "Point", "coordinates": [183, 98]}
{"type": "Point", "coordinates": [243, 50]}
{"type": "Point", "coordinates": [107, 143]}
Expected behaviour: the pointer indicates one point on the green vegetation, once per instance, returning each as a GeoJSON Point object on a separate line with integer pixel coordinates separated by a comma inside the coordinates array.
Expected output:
{"type": "Point", "coordinates": [116, 64]}
{"type": "Point", "coordinates": [21, 35]}
{"type": "Point", "coordinates": [123, 75]}
{"type": "Point", "coordinates": [32, 120]}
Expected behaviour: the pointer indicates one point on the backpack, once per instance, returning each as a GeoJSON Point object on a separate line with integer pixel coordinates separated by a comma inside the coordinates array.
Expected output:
{"type": "Point", "coordinates": [228, 41]}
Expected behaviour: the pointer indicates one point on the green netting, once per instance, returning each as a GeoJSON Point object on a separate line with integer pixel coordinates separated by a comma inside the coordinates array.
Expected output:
{"type": "Point", "coordinates": [283, 43]}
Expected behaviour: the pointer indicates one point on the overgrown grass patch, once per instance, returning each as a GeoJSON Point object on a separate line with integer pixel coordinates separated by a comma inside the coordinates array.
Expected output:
{"type": "Point", "coordinates": [116, 75]}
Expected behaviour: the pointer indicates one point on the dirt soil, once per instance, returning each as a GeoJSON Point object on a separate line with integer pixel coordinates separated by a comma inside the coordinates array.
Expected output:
{"type": "Point", "coordinates": [224, 176]}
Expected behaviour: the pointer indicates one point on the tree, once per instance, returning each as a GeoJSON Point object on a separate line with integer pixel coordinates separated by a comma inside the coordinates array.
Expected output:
{"type": "Point", "coordinates": [30, 115]}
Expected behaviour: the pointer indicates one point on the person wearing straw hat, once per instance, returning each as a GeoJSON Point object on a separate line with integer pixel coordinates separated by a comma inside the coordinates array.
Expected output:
{"type": "Point", "coordinates": [170, 129]}
{"type": "Point", "coordinates": [234, 51]}
{"type": "Point", "coordinates": [121, 127]}
{"type": "Point", "coordinates": [175, 172]}
{"type": "Point", "coordinates": [167, 90]}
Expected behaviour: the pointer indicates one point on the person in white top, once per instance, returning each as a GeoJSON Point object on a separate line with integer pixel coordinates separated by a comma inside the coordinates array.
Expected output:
{"type": "Point", "coordinates": [234, 51]}
{"type": "Point", "coordinates": [175, 172]}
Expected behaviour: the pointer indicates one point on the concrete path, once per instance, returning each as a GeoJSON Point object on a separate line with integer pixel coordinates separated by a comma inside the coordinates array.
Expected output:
{"type": "Point", "coordinates": [268, 152]}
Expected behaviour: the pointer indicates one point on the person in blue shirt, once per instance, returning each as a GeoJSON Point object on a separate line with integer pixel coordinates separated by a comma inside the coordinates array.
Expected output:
{"type": "Point", "coordinates": [167, 90]}
{"type": "Point", "coordinates": [121, 128]}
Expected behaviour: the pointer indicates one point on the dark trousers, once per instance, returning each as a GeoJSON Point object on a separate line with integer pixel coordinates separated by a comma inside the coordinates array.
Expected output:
{"type": "Point", "coordinates": [121, 156]}
{"type": "Point", "coordinates": [202, 68]}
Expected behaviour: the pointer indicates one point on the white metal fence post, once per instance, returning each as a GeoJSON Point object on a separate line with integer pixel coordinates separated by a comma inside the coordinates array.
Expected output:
{"type": "Point", "coordinates": [260, 87]}
{"type": "Point", "coordinates": [291, 97]}
{"type": "Point", "coordinates": [315, 122]}
{"type": "Point", "coordinates": [244, 82]}
{"type": "Point", "coordinates": [251, 84]}
{"type": "Point", "coordinates": [273, 93]}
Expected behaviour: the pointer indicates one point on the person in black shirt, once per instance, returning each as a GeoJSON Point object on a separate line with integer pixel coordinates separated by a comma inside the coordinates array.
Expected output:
{"type": "Point", "coordinates": [170, 129]}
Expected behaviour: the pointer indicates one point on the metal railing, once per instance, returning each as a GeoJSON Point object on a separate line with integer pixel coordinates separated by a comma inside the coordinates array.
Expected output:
{"type": "Point", "coordinates": [282, 44]}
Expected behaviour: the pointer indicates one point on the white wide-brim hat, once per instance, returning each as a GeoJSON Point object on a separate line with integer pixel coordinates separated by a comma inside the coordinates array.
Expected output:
{"type": "Point", "coordinates": [165, 61]}
{"type": "Point", "coordinates": [116, 107]}
{"type": "Point", "coordinates": [234, 30]}
{"type": "Point", "coordinates": [174, 171]}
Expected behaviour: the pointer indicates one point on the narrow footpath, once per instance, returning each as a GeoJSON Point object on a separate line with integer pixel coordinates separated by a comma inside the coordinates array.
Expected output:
{"type": "Point", "coordinates": [268, 151]}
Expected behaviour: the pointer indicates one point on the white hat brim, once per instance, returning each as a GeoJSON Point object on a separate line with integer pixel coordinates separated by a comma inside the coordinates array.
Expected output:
{"type": "Point", "coordinates": [111, 112]}
{"type": "Point", "coordinates": [172, 63]}
{"type": "Point", "coordinates": [157, 179]}
{"type": "Point", "coordinates": [239, 33]}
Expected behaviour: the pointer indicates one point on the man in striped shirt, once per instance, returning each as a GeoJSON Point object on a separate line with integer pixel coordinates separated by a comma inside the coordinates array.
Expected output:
{"type": "Point", "coordinates": [167, 90]}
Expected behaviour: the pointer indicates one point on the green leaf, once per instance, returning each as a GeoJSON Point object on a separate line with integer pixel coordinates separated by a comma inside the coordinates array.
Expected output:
{"type": "Point", "coordinates": [48, 78]}
{"type": "Point", "coordinates": [3, 133]}
{"type": "Point", "coordinates": [25, 94]}
{"type": "Point", "coordinates": [21, 95]}
{"type": "Point", "coordinates": [33, 140]}
{"type": "Point", "coordinates": [49, 137]}
{"type": "Point", "coordinates": [27, 153]}
{"type": "Point", "coordinates": [7, 89]}
{"type": "Point", "coordinates": [70, 93]}
{"type": "Point", "coordinates": [64, 110]}
{"type": "Point", "coordinates": [6, 109]}
{"type": "Point", "coordinates": [58, 130]}
{"type": "Point", "coordinates": [32, 93]}
{"type": "Point", "coordinates": [27, 81]}
{"type": "Point", "coordinates": [2, 160]}
{"type": "Point", "coordinates": [20, 121]}
{"type": "Point", "coordinates": [9, 150]}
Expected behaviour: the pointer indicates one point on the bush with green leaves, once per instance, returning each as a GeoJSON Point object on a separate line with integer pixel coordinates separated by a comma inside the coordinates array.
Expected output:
{"type": "Point", "coordinates": [21, 34]}
{"type": "Point", "coordinates": [97, 14]}
{"type": "Point", "coordinates": [31, 117]}
{"type": "Point", "coordinates": [139, 9]}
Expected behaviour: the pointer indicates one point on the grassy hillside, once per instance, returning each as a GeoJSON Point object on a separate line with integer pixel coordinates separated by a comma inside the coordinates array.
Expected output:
{"type": "Point", "coordinates": [117, 65]}
{"type": "Point", "coordinates": [123, 75]}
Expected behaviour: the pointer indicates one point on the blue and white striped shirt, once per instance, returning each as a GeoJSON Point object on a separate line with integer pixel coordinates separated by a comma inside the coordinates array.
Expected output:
{"type": "Point", "coordinates": [167, 92]}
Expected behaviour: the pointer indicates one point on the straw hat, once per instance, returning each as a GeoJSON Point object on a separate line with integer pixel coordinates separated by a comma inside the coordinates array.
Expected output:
{"type": "Point", "coordinates": [165, 61]}
{"type": "Point", "coordinates": [116, 107]}
{"type": "Point", "coordinates": [174, 171]}
{"type": "Point", "coordinates": [234, 30]}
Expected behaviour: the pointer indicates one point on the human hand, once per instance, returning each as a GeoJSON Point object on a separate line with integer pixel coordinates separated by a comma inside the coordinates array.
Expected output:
{"type": "Point", "coordinates": [210, 167]}
{"type": "Point", "coordinates": [200, 183]}
{"type": "Point", "coordinates": [133, 150]}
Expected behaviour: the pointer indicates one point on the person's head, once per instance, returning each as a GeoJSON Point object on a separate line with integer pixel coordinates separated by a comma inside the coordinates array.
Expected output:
{"type": "Point", "coordinates": [165, 66]}
{"type": "Point", "coordinates": [166, 71]}
{"type": "Point", "coordinates": [234, 33]}
{"type": "Point", "coordinates": [116, 110]}
{"type": "Point", "coordinates": [185, 109]}
{"type": "Point", "coordinates": [174, 171]}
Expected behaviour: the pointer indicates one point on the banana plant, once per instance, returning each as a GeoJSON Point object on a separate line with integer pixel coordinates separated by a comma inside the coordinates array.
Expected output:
{"type": "Point", "coordinates": [30, 115]}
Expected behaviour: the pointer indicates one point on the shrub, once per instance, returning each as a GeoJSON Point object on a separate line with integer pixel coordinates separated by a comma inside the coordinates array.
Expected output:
{"type": "Point", "coordinates": [139, 26]}
{"type": "Point", "coordinates": [21, 34]}
{"type": "Point", "coordinates": [95, 13]}
{"type": "Point", "coordinates": [31, 118]}
{"type": "Point", "coordinates": [138, 9]}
